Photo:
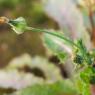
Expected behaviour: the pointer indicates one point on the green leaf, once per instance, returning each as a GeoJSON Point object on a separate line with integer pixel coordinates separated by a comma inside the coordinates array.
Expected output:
{"type": "Point", "coordinates": [18, 25]}
{"type": "Point", "coordinates": [86, 74]}
{"type": "Point", "coordinates": [86, 89]}
{"type": "Point", "coordinates": [57, 46]}
{"type": "Point", "coordinates": [82, 51]}
{"type": "Point", "coordinates": [82, 81]}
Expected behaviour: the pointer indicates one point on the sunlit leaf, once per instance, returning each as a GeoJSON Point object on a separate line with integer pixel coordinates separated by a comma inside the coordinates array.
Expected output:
{"type": "Point", "coordinates": [57, 46]}
{"type": "Point", "coordinates": [58, 88]}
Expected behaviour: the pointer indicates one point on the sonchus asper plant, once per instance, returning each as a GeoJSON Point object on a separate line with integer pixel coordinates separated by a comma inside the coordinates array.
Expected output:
{"type": "Point", "coordinates": [64, 48]}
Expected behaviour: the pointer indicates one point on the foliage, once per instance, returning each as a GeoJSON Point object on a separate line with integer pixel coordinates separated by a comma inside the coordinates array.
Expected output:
{"type": "Point", "coordinates": [57, 47]}
{"type": "Point", "coordinates": [57, 88]}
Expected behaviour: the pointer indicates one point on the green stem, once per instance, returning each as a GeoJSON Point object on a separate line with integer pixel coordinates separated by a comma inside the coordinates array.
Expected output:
{"type": "Point", "coordinates": [54, 34]}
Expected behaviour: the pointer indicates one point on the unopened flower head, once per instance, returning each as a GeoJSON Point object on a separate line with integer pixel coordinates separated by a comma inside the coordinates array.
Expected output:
{"type": "Point", "coordinates": [18, 25]}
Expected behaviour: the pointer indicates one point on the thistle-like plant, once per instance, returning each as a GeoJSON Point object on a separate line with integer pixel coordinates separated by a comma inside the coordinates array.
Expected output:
{"type": "Point", "coordinates": [65, 49]}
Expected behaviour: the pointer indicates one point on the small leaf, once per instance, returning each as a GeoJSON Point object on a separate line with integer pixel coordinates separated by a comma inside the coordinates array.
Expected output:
{"type": "Point", "coordinates": [19, 25]}
{"type": "Point", "coordinates": [86, 75]}
{"type": "Point", "coordinates": [83, 52]}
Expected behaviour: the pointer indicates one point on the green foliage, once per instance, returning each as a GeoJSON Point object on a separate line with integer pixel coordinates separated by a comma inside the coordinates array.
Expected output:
{"type": "Point", "coordinates": [57, 88]}
{"type": "Point", "coordinates": [82, 87]}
